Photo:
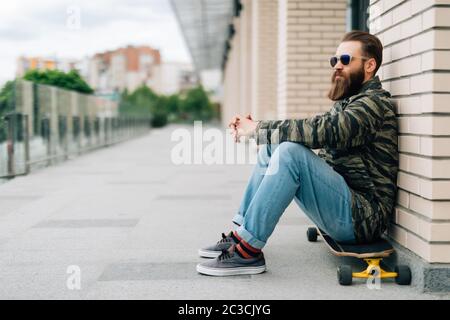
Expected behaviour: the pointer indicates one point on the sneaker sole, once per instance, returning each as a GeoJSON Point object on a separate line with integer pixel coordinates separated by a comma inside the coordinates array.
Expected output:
{"type": "Point", "coordinates": [231, 271]}
{"type": "Point", "coordinates": [208, 253]}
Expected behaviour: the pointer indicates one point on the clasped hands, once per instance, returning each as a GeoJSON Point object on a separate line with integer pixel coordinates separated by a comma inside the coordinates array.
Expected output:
{"type": "Point", "coordinates": [242, 127]}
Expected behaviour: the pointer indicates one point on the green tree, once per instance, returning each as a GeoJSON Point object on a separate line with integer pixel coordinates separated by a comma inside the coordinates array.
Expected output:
{"type": "Point", "coordinates": [6, 106]}
{"type": "Point", "coordinates": [196, 105]}
{"type": "Point", "coordinates": [70, 80]}
{"type": "Point", "coordinates": [193, 104]}
{"type": "Point", "coordinates": [139, 103]}
{"type": "Point", "coordinates": [173, 108]}
{"type": "Point", "coordinates": [159, 112]}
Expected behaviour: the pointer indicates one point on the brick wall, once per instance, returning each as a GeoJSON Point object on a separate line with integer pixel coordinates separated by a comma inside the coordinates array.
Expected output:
{"type": "Point", "coordinates": [264, 59]}
{"type": "Point", "coordinates": [250, 75]}
{"type": "Point", "coordinates": [309, 32]}
{"type": "Point", "coordinates": [416, 70]}
{"type": "Point", "coordinates": [245, 37]}
{"type": "Point", "coordinates": [232, 79]}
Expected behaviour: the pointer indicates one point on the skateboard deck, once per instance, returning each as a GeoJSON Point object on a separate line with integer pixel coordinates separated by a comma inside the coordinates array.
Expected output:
{"type": "Point", "coordinates": [379, 249]}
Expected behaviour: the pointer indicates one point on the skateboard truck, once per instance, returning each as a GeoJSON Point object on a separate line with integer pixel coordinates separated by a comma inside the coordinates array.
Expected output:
{"type": "Point", "coordinates": [372, 254]}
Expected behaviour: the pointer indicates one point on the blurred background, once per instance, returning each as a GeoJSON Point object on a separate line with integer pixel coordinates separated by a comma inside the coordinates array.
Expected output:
{"type": "Point", "coordinates": [76, 75]}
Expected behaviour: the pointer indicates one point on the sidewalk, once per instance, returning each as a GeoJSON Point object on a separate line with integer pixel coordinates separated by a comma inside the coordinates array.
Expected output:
{"type": "Point", "coordinates": [132, 222]}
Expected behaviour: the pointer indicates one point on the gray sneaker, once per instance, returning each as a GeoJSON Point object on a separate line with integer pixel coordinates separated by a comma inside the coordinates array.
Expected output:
{"type": "Point", "coordinates": [230, 263]}
{"type": "Point", "coordinates": [216, 250]}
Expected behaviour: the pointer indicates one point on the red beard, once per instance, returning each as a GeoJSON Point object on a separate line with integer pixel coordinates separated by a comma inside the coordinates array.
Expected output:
{"type": "Point", "coordinates": [345, 87]}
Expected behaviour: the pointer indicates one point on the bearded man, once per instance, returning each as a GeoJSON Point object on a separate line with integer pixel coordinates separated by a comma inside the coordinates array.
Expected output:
{"type": "Point", "coordinates": [348, 190]}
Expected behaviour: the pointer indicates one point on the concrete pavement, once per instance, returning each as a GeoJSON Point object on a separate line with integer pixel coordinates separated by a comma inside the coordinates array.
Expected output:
{"type": "Point", "coordinates": [125, 223]}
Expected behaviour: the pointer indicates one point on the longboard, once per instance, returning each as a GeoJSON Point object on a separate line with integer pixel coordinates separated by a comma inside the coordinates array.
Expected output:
{"type": "Point", "coordinates": [379, 249]}
{"type": "Point", "coordinates": [372, 253]}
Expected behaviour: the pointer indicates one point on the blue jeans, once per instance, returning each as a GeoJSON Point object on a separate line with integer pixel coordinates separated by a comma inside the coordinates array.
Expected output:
{"type": "Point", "coordinates": [290, 171]}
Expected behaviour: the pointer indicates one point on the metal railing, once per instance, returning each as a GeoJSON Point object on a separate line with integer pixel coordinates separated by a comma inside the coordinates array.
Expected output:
{"type": "Point", "coordinates": [50, 125]}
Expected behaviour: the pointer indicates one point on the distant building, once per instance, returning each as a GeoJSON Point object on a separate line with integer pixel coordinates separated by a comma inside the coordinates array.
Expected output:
{"type": "Point", "coordinates": [172, 77]}
{"type": "Point", "coordinates": [123, 68]}
{"type": "Point", "coordinates": [110, 73]}
{"type": "Point", "coordinates": [25, 64]}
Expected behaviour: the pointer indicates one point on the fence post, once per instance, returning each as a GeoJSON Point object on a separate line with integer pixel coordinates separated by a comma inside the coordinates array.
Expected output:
{"type": "Point", "coordinates": [10, 144]}
{"type": "Point", "coordinates": [26, 139]}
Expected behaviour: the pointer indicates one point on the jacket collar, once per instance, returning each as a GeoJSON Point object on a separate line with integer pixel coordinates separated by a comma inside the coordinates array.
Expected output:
{"type": "Point", "coordinates": [372, 84]}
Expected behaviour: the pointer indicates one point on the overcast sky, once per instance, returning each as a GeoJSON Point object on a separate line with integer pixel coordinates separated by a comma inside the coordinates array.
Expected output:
{"type": "Point", "coordinates": [79, 28]}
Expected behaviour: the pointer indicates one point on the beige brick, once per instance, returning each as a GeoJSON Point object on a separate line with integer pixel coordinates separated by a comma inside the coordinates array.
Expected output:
{"type": "Point", "coordinates": [322, 42]}
{"type": "Point", "coordinates": [318, 71]}
{"type": "Point", "coordinates": [298, 86]}
{"type": "Point", "coordinates": [401, 50]}
{"type": "Point", "coordinates": [392, 35]}
{"type": "Point", "coordinates": [432, 39]}
{"type": "Point", "coordinates": [442, 39]}
{"type": "Point", "coordinates": [309, 5]}
{"type": "Point", "coordinates": [402, 12]}
{"type": "Point", "coordinates": [375, 11]}
{"type": "Point", "coordinates": [409, 105]}
{"type": "Point", "coordinates": [340, 28]}
{"type": "Point", "coordinates": [336, 36]}
{"type": "Point", "coordinates": [439, 232]}
{"type": "Point", "coordinates": [426, 167]}
{"type": "Point", "coordinates": [299, 13]}
{"type": "Point", "coordinates": [309, 93]}
{"type": "Point", "coordinates": [441, 17]}
{"type": "Point", "coordinates": [308, 49]}
{"type": "Point", "coordinates": [434, 190]}
{"type": "Point", "coordinates": [294, 43]}
{"type": "Point", "coordinates": [409, 144]}
{"type": "Point", "coordinates": [423, 42]}
{"type": "Point", "coordinates": [408, 182]}
{"type": "Point", "coordinates": [412, 223]}
{"type": "Point", "coordinates": [330, 20]}
{"type": "Point", "coordinates": [336, 5]}
{"type": "Point", "coordinates": [440, 253]}
{"type": "Point", "coordinates": [426, 125]}
{"type": "Point", "coordinates": [340, 13]}
{"type": "Point", "coordinates": [411, 27]}
{"type": "Point", "coordinates": [300, 27]}
{"type": "Point", "coordinates": [387, 55]}
{"type": "Point", "coordinates": [398, 234]}
{"type": "Point", "coordinates": [420, 5]}
{"type": "Point", "coordinates": [298, 57]}
{"type": "Point", "coordinates": [400, 87]}
{"type": "Point", "coordinates": [439, 147]}
{"type": "Point", "coordinates": [404, 67]}
{"type": "Point", "coordinates": [418, 246]}
{"type": "Point", "coordinates": [296, 100]}
{"type": "Point", "coordinates": [436, 60]}
{"type": "Point", "coordinates": [308, 20]}
{"type": "Point", "coordinates": [324, 27]}
{"type": "Point", "coordinates": [430, 209]}
{"type": "Point", "coordinates": [322, 13]}
{"type": "Point", "coordinates": [321, 86]}
{"type": "Point", "coordinates": [387, 5]}
{"type": "Point", "coordinates": [403, 198]}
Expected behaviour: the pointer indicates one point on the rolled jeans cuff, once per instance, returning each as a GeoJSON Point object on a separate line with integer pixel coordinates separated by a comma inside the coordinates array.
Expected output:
{"type": "Point", "coordinates": [249, 238]}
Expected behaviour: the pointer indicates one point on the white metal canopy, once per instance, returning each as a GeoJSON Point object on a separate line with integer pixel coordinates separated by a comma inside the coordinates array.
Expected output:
{"type": "Point", "coordinates": [205, 27]}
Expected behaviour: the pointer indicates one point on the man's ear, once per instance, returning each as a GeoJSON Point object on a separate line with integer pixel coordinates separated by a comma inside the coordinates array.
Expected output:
{"type": "Point", "coordinates": [370, 65]}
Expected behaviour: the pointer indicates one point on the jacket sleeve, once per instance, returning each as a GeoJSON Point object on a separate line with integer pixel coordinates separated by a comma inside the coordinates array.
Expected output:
{"type": "Point", "coordinates": [354, 126]}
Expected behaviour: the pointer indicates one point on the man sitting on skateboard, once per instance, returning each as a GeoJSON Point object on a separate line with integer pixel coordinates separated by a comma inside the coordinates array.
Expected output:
{"type": "Point", "coordinates": [348, 189]}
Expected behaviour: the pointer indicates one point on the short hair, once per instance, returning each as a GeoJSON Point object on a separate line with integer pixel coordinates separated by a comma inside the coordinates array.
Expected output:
{"type": "Point", "coordinates": [370, 44]}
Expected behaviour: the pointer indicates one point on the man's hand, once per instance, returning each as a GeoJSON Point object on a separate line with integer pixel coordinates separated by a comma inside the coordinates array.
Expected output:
{"type": "Point", "coordinates": [242, 126]}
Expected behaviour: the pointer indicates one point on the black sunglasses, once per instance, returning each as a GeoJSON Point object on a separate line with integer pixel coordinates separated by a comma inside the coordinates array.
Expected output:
{"type": "Point", "coordinates": [345, 59]}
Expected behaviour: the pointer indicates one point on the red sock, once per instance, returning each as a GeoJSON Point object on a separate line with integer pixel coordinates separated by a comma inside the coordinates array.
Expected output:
{"type": "Point", "coordinates": [244, 250]}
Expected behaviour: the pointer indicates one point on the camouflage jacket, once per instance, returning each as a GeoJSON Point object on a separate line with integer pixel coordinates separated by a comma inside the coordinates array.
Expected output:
{"type": "Point", "coordinates": [358, 139]}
